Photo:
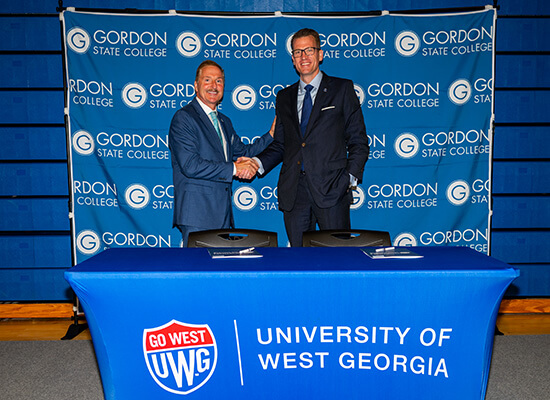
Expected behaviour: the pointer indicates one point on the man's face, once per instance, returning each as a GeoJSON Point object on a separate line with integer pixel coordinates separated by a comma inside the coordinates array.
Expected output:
{"type": "Point", "coordinates": [307, 66]}
{"type": "Point", "coordinates": [209, 86]}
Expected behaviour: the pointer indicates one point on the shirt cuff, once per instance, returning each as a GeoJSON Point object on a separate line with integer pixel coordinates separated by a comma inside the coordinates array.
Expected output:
{"type": "Point", "coordinates": [352, 181]}
{"type": "Point", "coordinates": [261, 169]}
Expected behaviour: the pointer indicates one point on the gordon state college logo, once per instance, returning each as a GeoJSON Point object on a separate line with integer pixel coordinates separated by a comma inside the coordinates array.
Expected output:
{"type": "Point", "coordinates": [460, 91]}
{"type": "Point", "coordinates": [406, 145]}
{"type": "Point", "coordinates": [134, 95]}
{"type": "Point", "coordinates": [83, 143]}
{"type": "Point", "coordinates": [88, 242]}
{"type": "Point", "coordinates": [78, 40]}
{"type": "Point", "coordinates": [245, 198]}
{"type": "Point", "coordinates": [180, 357]}
{"type": "Point", "coordinates": [407, 43]}
{"type": "Point", "coordinates": [243, 97]}
{"type": "Point", "coordinates": [458, 192]}
{"type": "Point", "coordinates": [137, 196]}
{"type": "Point", "coordinates": [188, 44]}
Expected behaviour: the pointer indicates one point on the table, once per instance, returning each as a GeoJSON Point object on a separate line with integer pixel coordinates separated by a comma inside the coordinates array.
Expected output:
{"type": "Point", "coordinates": [297, 323]}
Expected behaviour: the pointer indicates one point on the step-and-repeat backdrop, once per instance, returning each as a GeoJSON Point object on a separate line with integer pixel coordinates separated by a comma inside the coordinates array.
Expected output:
{"type": "Point", "coordinates": [425, 83]}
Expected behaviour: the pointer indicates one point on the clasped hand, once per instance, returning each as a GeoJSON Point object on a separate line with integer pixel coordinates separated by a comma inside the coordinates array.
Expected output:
{"type": "Point", "coordinates": [246, 168]}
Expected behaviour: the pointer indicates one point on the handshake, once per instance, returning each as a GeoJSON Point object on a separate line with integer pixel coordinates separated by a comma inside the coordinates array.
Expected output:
{"type": "Point", "coordinates": [246, 168]}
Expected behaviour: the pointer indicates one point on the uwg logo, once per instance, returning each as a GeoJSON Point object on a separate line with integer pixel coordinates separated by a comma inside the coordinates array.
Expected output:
{"type": "Point", "coordinates": [180, 357]}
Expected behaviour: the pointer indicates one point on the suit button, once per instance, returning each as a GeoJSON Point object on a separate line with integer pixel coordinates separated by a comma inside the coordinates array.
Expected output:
{"type": "Point", "coordinates": [304, 144]}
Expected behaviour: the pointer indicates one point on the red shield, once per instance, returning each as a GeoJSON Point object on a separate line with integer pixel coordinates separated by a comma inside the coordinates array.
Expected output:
{"type": "Point", "coordinates": [180, 357]}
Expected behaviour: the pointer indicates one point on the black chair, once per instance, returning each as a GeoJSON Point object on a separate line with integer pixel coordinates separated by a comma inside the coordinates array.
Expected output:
{"type": "Point", "coordinates": [232, 238]}
{"type": "Point", "coordinates": [346, 238]}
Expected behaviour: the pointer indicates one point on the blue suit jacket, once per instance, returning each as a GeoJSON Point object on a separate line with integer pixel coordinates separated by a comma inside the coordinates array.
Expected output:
{"type": "Point", "coordinates": [334, 145]}
{"type": "Point", "coordinates": [202, 177]}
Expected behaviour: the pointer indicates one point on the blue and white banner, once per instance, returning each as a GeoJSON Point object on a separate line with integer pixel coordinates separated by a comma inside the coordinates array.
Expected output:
{"type": "Point", "coordinates": [425, 83]}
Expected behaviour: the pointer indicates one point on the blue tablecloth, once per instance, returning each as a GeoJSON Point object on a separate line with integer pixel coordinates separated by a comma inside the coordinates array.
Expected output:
{"type": "Point", "coordinates": [297, 323]}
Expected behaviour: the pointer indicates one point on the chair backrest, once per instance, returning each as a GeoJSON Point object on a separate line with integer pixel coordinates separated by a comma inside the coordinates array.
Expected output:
{"type": "Point", "coordinates": [346, 238]}
{"type": "Point", "coordinates": [232, 238]}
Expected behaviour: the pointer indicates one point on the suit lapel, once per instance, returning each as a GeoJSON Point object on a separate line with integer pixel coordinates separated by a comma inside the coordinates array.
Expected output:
{"type": "Point", "coordinates": [208, 128]}
{"type": "Point", "coordinates": [319, 101]}
{"type": "Point", "coordinates": [225, 133]}
{"type": "Point", "coordinates": [292, 103]}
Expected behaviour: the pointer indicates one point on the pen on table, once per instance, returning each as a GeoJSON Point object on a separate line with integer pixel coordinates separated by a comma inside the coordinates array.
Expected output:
{"type": "Point", "coordinates": [384, 249]}
{"type": "Point", "coordinates": [249, 250]}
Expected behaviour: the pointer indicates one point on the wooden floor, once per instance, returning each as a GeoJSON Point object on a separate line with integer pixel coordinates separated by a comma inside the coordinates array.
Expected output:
{"type": "Point", "coordinates": [55, 329]}
{"type": "Point", "coordinates": [38, 329]}
{"type": "Point", "coordinates": [524, 324]}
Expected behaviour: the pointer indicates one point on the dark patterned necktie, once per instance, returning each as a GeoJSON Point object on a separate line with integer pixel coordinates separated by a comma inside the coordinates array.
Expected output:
{"type": "Point", "coordinates": [306, 109]}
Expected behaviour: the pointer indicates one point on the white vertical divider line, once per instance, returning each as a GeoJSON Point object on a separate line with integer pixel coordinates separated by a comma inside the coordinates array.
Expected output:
{"type": "Point", "coordinates": [239, 351]}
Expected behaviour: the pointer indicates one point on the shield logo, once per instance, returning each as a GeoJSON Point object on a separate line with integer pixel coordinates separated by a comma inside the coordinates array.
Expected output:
{"type": "Point", "coordinates": [180, 357]}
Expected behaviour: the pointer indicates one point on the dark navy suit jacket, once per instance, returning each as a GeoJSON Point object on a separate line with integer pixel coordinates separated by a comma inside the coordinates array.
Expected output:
{"type": "Point", "coordinates": [202, 176]}
{"type": "Point", "coordinates": [334, 145]}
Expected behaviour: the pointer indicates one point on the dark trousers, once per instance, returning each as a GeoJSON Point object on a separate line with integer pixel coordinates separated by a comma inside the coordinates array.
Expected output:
{"type": "Point", "coordinates": [306, 215]}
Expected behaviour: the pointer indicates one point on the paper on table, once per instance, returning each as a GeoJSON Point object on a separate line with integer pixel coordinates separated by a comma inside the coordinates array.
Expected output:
{"type": "Point", "coordinates": [234, 253]}
{"type": "Point", "coordinates": [390, 252]}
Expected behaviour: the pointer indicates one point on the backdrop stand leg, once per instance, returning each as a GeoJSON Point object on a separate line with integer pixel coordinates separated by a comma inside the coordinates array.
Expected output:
{"type": "Point", "coordinates": [75, 328]}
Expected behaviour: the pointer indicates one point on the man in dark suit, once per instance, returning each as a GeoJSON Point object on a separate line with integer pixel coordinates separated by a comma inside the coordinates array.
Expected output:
{"type": "Point", "coordinates": [206, 155]}
{"type": "Point", "coordinates": [321, 139]}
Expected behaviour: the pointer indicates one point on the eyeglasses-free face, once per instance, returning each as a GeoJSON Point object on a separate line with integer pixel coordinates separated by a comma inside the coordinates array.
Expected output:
{"type": "Point", "coordinates": [209, 86]}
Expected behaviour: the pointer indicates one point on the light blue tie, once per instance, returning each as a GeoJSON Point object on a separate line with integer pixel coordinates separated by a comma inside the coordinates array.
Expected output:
{"type": "Point", "coordinates": [214, 117]}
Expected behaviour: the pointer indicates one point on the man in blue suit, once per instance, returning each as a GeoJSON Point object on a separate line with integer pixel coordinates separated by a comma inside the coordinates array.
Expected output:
{"type": "Point", "coordinates": [206, 155]}
{"type": "Point", "coordinates": [320, 137]}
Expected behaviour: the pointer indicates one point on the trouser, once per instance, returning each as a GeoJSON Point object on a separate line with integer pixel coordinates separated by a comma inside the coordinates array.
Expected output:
{"type": "Point", "coordinates": [306, 214]}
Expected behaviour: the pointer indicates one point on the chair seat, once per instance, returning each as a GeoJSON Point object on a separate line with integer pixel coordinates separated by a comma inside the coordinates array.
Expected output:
{"type": "Point", "coordinates": [232, 238]}
{"type": "Point", "coordinates": [346, 238]}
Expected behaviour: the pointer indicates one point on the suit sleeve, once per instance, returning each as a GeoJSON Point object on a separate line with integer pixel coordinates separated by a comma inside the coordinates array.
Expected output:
{"type": "Point", "coordinates": [273, 154]}
{"type": "Point", "coordinates": [247, 150]}
{"type": "Point", "coordinates": [355, 133]}
{"type": "Point", "coordinates": [190, 151]}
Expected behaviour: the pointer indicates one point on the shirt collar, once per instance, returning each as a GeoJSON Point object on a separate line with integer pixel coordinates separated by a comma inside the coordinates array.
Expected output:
{"type": "Point", "coordinates": [316, 82]}
{"type": "Point", "coordinates": [205, 108]}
